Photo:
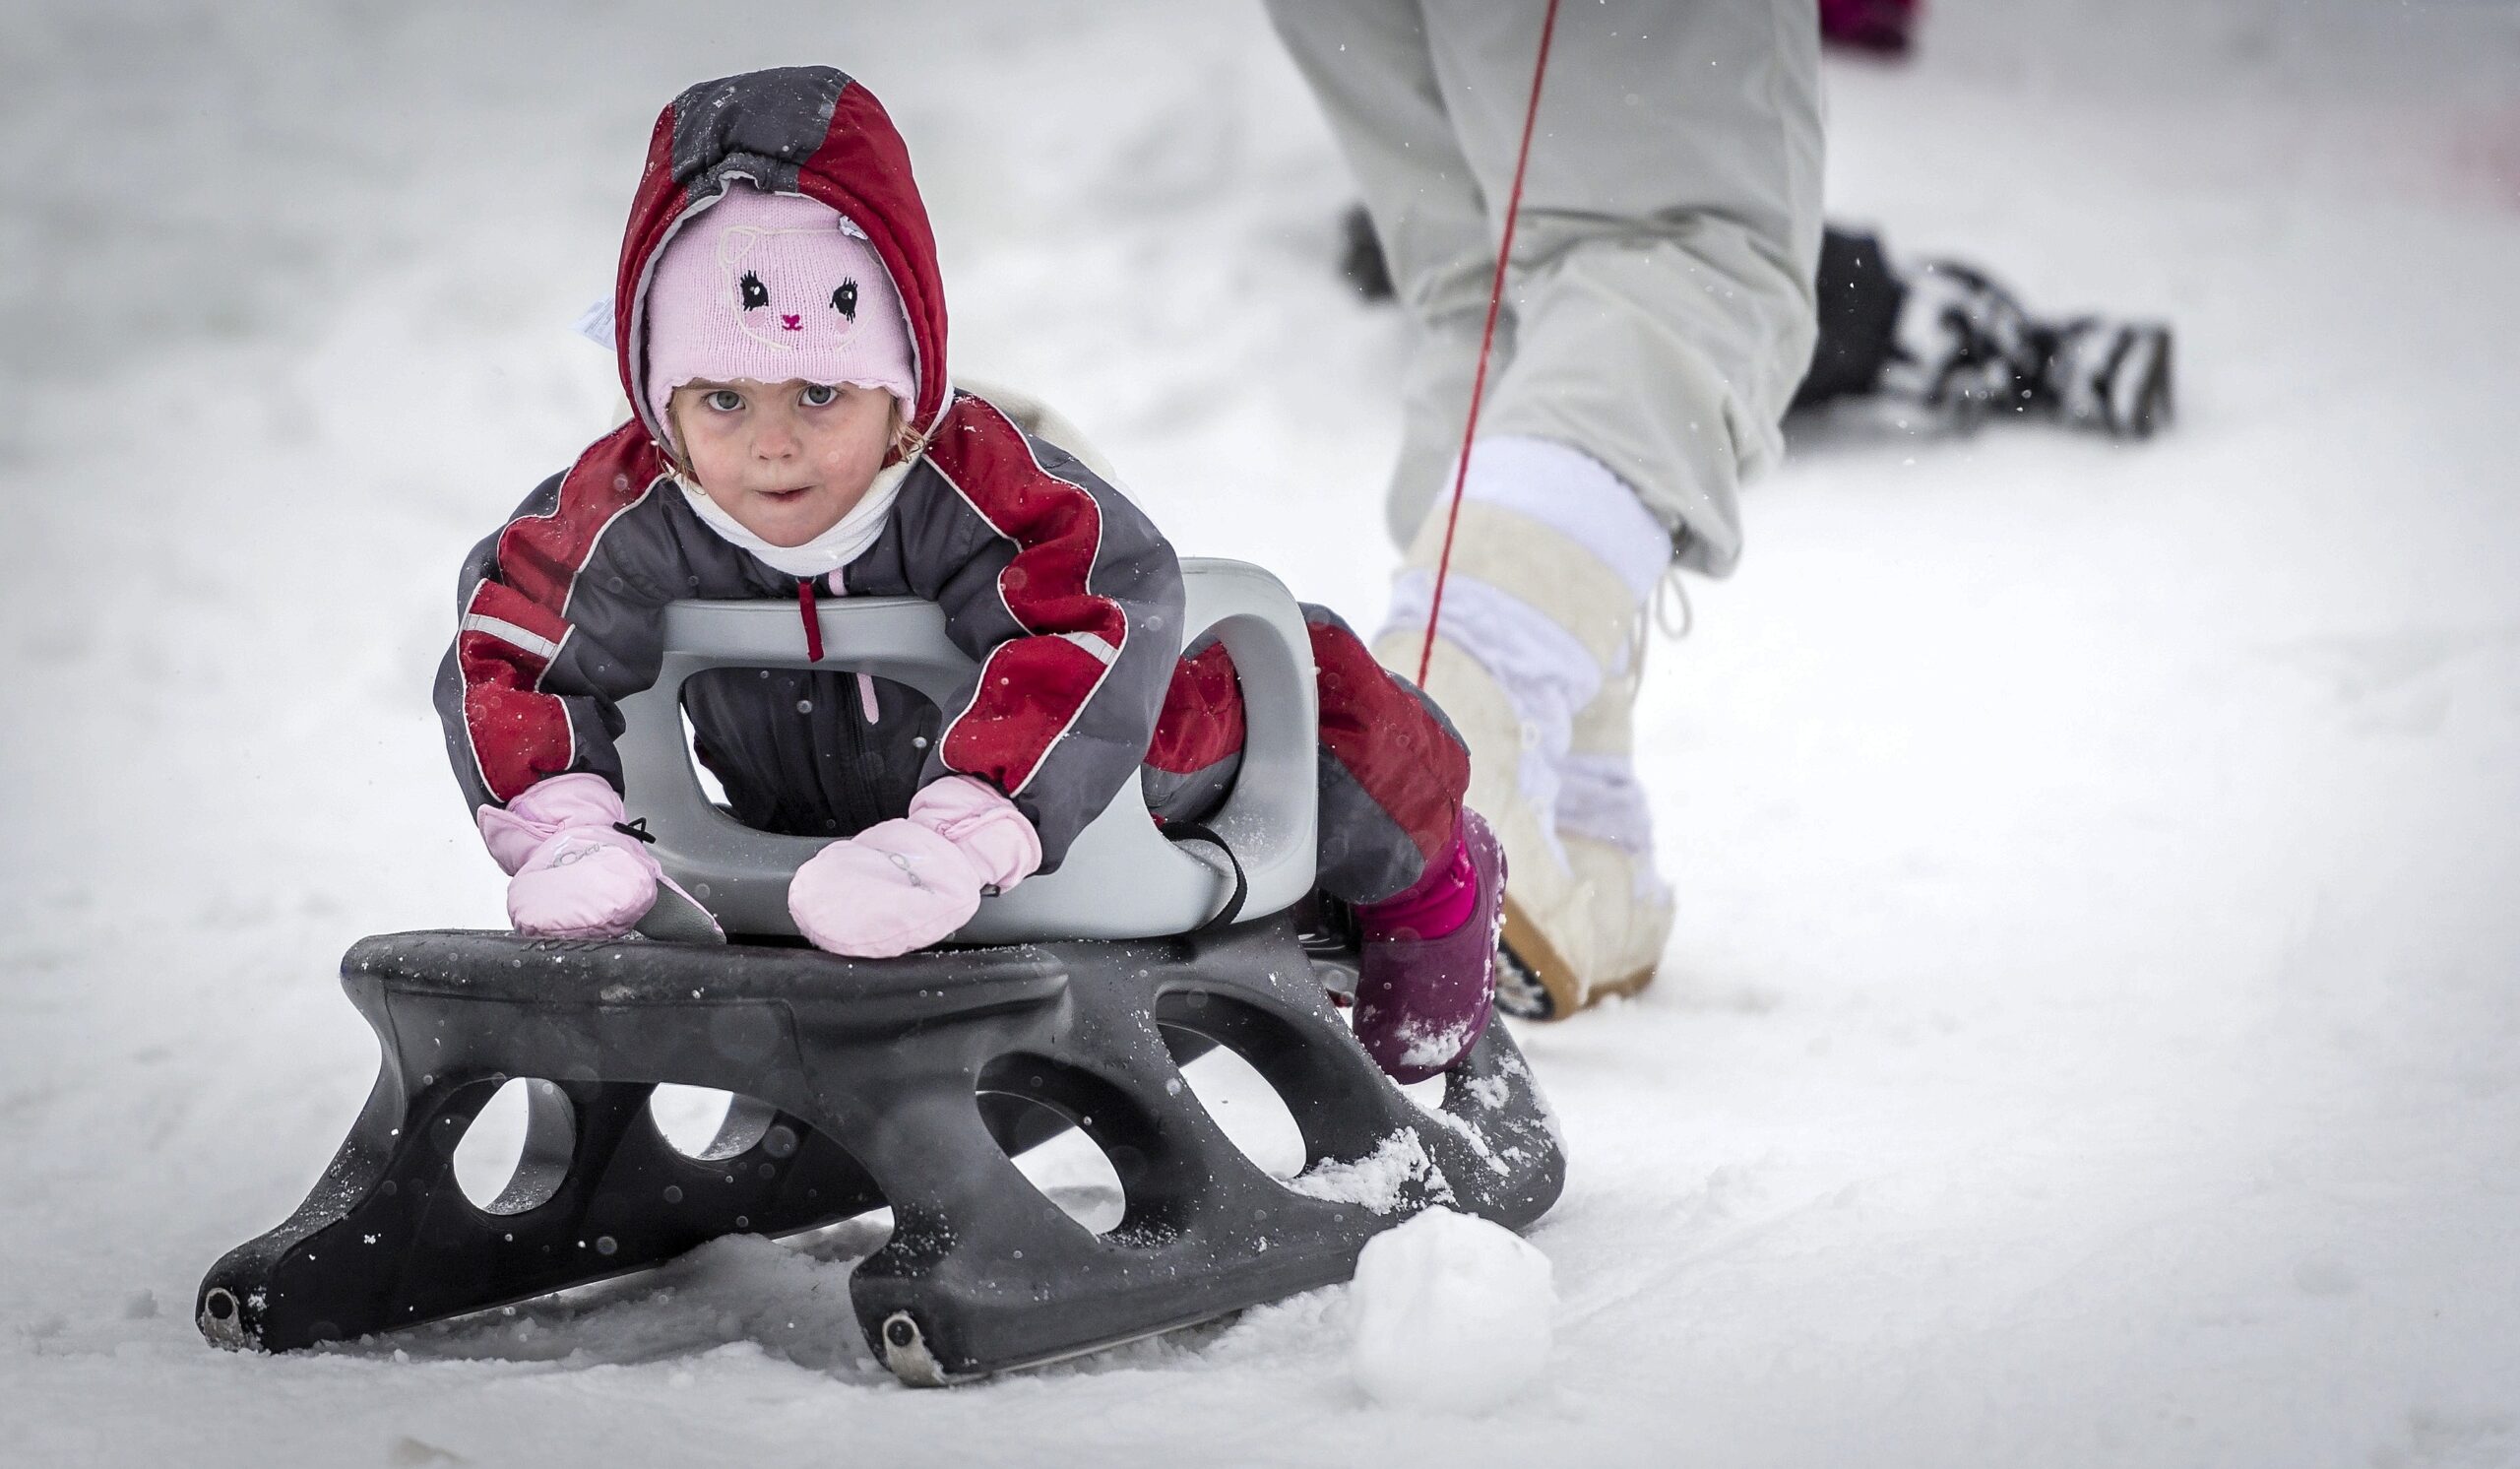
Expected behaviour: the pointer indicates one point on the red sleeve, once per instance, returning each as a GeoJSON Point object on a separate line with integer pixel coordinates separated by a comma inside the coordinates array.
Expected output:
{"type": "Point", "coordinates": [1073, 608]}
{"type": "Point", "coordinates": [517, 637]}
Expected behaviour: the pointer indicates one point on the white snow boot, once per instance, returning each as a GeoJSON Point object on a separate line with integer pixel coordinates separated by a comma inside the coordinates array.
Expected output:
{"type": "Point", "coordinates": [1551, 566]}
{"type": "Point", "coordinates": [1608, 832]}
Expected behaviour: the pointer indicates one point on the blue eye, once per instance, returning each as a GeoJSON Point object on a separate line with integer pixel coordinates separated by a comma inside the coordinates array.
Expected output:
{"type": "Point", "coordinates": [723, 400]}
{"type": "Point", "coordinates": [819, 395]}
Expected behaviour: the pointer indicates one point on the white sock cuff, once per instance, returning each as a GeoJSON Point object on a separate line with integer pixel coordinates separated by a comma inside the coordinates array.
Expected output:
{"type": "Point", "coordinates": [1577, 496]}
{"type": "Point", "coordinates": [1543, 668]}
{"type": "Point", "coordinates": [1598, 796]}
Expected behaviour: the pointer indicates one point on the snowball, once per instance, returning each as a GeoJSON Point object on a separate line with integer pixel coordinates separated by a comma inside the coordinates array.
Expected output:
{"type": "Point", "coordinates": [1451, 1315]}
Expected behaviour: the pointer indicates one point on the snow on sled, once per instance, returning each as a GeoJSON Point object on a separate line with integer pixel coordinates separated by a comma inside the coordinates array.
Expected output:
{"type": "Point", "coordinates": [908, 1083]}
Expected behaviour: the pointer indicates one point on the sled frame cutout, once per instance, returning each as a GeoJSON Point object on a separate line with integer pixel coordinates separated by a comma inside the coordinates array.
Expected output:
{"type": "Point", "coordinates": [908, 1083]}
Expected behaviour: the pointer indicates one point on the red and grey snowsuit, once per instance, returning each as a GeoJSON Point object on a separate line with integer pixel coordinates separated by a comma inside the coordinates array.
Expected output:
{"type": "Point", "coordinates": [1067, 597]}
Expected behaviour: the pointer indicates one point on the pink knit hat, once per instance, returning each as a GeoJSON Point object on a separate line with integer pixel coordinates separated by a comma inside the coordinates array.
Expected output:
{"type": "Point", "coordinates": [773, 287]}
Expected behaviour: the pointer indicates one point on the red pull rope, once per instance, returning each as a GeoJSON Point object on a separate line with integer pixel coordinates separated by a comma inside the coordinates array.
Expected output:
{"type": "Point", "coordinates": [1487, 340]}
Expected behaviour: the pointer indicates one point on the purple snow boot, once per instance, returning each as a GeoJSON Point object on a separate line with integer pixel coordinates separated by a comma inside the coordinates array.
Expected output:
{"type": "Point", "coordinates": [1428, 976]}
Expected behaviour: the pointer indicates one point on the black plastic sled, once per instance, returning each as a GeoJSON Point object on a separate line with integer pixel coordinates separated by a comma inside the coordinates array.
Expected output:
{"type": "Point", "coordinates": [906, 1083]}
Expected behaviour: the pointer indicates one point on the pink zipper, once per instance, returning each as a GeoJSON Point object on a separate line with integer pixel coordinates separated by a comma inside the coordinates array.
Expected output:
{"type": "Point", "coordinates": [867, 704]}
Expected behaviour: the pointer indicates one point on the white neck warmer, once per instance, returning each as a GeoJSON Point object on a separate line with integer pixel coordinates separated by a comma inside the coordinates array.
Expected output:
{"type": "Point", "coordinates": [825, 552]}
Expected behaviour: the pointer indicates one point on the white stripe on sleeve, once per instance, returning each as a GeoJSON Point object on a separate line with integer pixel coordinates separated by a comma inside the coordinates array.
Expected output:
{"type": "Point", "coordinates": [509, 634]}
{"type": "Point", "coordinates": [1095, 644]}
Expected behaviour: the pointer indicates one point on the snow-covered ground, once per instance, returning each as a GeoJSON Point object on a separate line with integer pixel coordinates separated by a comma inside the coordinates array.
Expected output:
{"type": "Point", "coordinates": [2094, 1030]}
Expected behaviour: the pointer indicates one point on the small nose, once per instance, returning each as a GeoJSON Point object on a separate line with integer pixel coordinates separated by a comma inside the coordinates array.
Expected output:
{"type": "Point", "coordinates": [791, 323]}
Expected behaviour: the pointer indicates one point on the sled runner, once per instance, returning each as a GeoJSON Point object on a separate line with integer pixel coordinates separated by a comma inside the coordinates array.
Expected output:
{"type": "Point", "coordinates": [907, 1083]}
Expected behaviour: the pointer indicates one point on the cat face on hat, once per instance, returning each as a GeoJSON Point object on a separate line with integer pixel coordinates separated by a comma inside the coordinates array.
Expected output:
{"type": "Point", "coordinates": [772, 289]}
{"type": "Point", "coordinates": [784, 289]}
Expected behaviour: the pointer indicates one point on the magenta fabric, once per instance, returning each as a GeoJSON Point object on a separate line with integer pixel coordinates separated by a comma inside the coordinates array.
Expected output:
{"type": "Point", "coordinates": [1436, 904]}
{"type": "Point", "coordinates": [1425, 992]}
{"type": "Point", "coordinates": [1882, 26]}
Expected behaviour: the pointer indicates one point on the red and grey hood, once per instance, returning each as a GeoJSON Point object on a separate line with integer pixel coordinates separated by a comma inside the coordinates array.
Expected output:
{"type": "Point", "coordinates": [807, 130]}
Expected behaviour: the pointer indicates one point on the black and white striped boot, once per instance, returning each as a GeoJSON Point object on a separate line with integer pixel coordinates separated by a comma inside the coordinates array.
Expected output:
{"type": "Point", "coordinates": [2110, 375]}
{"type": "Point", "coordinates": [1964, 345]}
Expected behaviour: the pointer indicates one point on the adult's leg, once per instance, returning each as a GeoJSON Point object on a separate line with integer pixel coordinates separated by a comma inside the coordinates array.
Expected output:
{"type": "Point", "coordinates": [1860, 298]}
{"type": "Point", "coordinates": [1669, 226]}
{"type": "Point", "coordinates": [1369, 67]}
{"type": "Point", "coordinates": [1658, 319]}
{"type": "Point", "coordinates": [1661, 282]}
{"type": "Point", "coordinates": [1671, 218]}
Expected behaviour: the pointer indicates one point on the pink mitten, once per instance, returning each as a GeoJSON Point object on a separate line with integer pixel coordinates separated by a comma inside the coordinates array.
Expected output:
{"type": "Point", "coordinates": [905, 884]}
{"type": "Point", "coordinates": [571, 873]}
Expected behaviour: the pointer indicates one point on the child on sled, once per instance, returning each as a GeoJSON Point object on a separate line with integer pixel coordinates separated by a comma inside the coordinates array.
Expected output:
{"type": "Point", "coordinates": [781, 330]}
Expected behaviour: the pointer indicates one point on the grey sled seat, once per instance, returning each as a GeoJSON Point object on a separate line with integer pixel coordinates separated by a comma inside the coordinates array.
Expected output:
{"type": "Point", "coordinates": [1121, 878]}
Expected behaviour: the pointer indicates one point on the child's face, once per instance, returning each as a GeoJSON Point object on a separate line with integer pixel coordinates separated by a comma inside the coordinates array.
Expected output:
{"type": "Point", "coordinates": [786, 460]}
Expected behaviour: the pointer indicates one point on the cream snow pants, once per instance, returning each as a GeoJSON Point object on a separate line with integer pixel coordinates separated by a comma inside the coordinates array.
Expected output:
{"type": "Point", "coordinates": [1658, 308]}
